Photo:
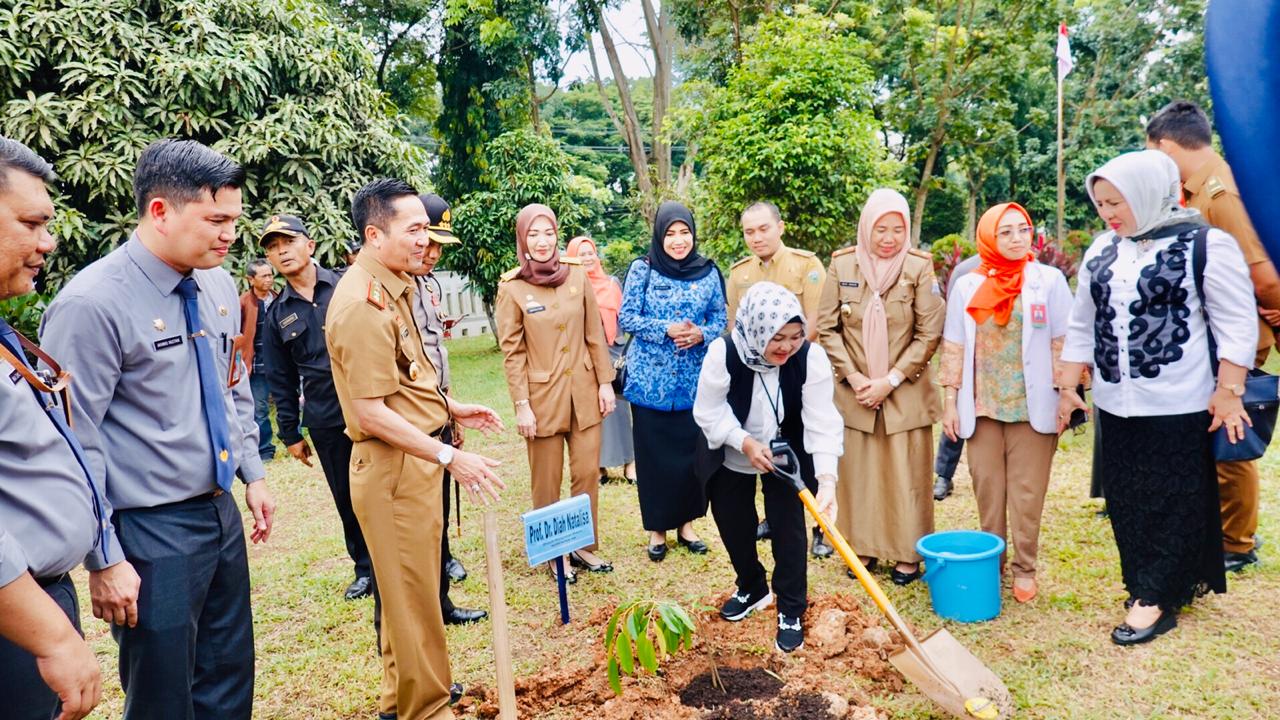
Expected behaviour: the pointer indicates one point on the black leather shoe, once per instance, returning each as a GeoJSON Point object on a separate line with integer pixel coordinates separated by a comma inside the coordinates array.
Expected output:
{"type": "Point", "coordinates": [942, 488]}
{"type": "Point", "coordinates": [361, 587]}
{"type": "Point", "coordinates": [1123, 634]}
{"type": "Point", "coordinates": [386, 716]}
{"type": "Point", "coordinates": [697, 547]}
{"type": "Point", "coordinates": [455, 693]}
{"type": "Point", "coordinates": [576, 560]}
{"type": "Point", "coordinates": [820, 547]}
{"type": "Point", "coordinates": [454, 570]}
{"type": "Point", "coordinates": [463, 616]}
{"type": "Point", "coordinates": [762, 531]}
{"type": "Point", "coordinates": [657, 552]}
{"type": "Point", "coordinates": [1235, 562]}
{"type": "Point", "coordinates": [904, 579]}
{"type": "Point", "coordinates": [870, 565]}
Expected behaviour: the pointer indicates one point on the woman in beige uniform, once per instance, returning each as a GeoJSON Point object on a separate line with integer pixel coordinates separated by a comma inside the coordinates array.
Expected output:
{"type": "Point", "coordinates": [557, 366]}
{"type": "Point", "coordinates": [880, 321]}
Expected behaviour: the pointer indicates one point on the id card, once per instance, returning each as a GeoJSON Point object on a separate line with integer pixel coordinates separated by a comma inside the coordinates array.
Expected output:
{"type": "Point", "coordinates": [1039, 315]}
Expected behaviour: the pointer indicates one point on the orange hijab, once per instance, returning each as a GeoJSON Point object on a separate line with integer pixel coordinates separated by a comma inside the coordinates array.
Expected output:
{"type": "Point", "coordinates": [997, 294]}
{"type": "Point", "coordinates": [608, 294]}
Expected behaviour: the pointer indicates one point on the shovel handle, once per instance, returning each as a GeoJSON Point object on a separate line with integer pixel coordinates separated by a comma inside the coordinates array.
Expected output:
{"type": "Point", "coordinates": [873, 589]}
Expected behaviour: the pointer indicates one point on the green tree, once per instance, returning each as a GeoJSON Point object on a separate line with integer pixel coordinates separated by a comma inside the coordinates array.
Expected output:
{"type": "Point", "coordinates": [398, 33]}
{"type": "Point", "coordinates": [792, 125]}
{"type": "Point", "coordinates": [522, 167]}
{"type": "Point", "coordinates": [274, 84]}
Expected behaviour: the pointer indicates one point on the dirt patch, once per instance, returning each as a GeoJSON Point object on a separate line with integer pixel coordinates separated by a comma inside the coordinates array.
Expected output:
{"type": "Point", "coordinates": [844, 662]}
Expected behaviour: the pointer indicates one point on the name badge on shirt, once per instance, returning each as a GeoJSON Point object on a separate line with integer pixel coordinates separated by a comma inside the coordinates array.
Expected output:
{"type": "Point", "coordinates": [532, 308]}
{"type": "Point", "coordinates": [15, 376]}
{"type": "Point", "coordinates": [1039, 315]}
{"type": "Point", "coordinates": [288, 321]}
{"type": "Point", "coordinates": [168, 342]}
{"type": "Point", "coordinates": [849, 283]}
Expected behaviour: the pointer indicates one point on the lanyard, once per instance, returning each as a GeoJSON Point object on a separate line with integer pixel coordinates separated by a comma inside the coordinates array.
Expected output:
{"type": "Point", "coordinates": [774, 401]}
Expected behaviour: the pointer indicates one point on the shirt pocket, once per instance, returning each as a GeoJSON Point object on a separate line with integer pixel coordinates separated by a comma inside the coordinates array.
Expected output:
{"type": "Point", "coordinates": [899, 302]}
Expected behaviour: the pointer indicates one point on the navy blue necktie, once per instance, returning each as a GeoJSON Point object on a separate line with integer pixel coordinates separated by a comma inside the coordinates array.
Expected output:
{"type": "Point", "coordinates": [56, 416]}
{"type": "Point", "coordinates": [215, 408]}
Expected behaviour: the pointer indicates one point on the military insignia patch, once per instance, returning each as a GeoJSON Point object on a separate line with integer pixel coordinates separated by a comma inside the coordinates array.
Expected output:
{"type": "Point", "coordinates": [376, 296]}
{"type": "Point", "coordinates": [814, 277]}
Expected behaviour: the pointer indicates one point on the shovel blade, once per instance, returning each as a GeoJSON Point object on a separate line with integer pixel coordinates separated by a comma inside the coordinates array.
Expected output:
{"type": "Point", "coordinates": [960, 670]}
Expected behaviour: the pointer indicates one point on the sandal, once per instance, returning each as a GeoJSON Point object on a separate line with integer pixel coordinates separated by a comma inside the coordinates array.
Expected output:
{"type": "Point", "coordinates": [570, 577]}
{"type": "Point", "coordinates": [577, 560]}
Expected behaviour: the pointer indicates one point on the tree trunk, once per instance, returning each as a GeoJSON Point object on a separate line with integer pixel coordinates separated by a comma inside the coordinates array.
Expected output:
{"type": "Point", "coordinates": [493, 324]}
{"type": "Point", "coordinates": [630, 121]}
{"type": "Point", "coordinates": [926, 175]}
{"type": "Point", "coordinates": [533, 94]}
{"type": "Point", "coordinates": [658, 24]}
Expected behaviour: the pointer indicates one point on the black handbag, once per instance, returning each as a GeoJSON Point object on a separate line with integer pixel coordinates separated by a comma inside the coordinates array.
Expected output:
{"type": "Point", "coordinates": [1261, 390]}
{"type": "Point", "coordinates": [620, 365]}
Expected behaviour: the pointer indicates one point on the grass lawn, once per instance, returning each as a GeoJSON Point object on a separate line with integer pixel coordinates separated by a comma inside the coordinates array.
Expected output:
{"type": "Point", "coordinates": [316, 656]}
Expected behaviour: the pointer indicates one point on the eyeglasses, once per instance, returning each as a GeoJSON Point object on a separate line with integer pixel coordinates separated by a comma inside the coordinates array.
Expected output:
{"type": "Point", "coordinates": [1010, 233]}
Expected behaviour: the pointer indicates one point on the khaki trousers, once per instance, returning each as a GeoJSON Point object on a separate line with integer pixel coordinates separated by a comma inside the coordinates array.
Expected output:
{"type": "Point", "coordinates": [396, 497]}
{"type": "Point", "coordinates": [1238, 498]}
{"type": "Point", "coordinates": [546, 468]}
{"type": "Point", "coordinates": [1010, 464]}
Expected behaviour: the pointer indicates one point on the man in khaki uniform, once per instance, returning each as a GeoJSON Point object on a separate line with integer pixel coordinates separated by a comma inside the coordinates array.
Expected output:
{"type": "Point", "coordinates": [395, 414]}
{"type": "Point", "coordinates": [1181, 130]}
{"type": "Point", "coordinates": [799, 271]}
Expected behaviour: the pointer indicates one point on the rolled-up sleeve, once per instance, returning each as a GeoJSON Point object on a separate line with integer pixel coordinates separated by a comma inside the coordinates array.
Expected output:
{"type": "Point", "coordinates": [823, 426]}
{"type": "Point", "coordinates": [1228, 293]}
{"type": "Point", "coordinates": [13, 561]}
{"type": "Point", "coordinates": [711, 406]}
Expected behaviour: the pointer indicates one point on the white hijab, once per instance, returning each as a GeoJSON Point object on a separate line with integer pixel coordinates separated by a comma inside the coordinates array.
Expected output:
{"type": "Point", "coordinates": [761, 314]}
{"type": "Point", "coordinates": [1150, 184]}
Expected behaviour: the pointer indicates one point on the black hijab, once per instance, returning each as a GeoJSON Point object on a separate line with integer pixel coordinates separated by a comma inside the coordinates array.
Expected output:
{"type": "Point", "coordinates": [693, 266]}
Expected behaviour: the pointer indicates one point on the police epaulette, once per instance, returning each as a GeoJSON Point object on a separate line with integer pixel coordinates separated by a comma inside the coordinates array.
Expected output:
{"type": "Point", "coordinates": [509, 275]}
{"type": "Point", "coordinates": [376, 296]}
{"type": "Point", "coordinates": [844, 251]}
{"type": "Point", "coordinates": [921, 253]}
{"type": "Point", "coordinates": [741, 261]}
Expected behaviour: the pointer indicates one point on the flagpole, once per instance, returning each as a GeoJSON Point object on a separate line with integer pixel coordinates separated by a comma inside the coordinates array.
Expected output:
{"type": "Point", "coordinates": [1062, 187]}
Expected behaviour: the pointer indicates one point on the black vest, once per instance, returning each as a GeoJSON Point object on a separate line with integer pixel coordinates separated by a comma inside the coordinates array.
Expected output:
{"type": "Point", "coordinates": [791, 377]}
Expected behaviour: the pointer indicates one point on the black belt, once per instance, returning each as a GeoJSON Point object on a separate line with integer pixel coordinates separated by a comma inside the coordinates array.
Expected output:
{"type": "Point", "coordinates": [49, 582]}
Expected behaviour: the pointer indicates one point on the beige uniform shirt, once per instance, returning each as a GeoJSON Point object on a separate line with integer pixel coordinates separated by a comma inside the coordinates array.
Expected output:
{"type": "Point", "coordinates": [799, 271]}
{"type": "Point", "coordinates": [375, 348]}
{"type": "Point", "coordinates": [916, 314]}
{"type": "Point", "coordinates": [1212, 191]}
{"type": "Point", "coordinates": [554, 349]}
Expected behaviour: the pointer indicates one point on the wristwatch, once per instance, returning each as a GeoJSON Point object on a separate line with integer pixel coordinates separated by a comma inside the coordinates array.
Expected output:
{"type": "Point", "coordinates": [445, 456]}
{"type": "Point", "coordinates": [1236, 389]}
{"type": "Point", "coordinates": [894, 380]}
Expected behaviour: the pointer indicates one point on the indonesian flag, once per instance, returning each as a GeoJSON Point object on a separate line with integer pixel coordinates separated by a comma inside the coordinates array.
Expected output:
{"type": "Point", "coordinates": [1064, 53]}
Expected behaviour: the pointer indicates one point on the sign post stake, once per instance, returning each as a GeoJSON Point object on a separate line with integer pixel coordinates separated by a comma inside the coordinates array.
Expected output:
{"type": "Point", "coordinates": [498, 613]}
{"type": "Point", "coordinates": [564, 590]}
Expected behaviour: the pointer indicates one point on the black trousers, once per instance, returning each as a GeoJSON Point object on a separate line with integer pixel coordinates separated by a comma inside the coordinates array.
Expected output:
{"type": "Point", "coordinates": [948, 457]}
{"type": "Point", "coordinates": [333, 448]}
{"type": "Point", "coordinates": [191, 655]}
{"type": "Point", "coordinates": [733, 497]}
{"type": "Point", "coordinates": [25, 696]}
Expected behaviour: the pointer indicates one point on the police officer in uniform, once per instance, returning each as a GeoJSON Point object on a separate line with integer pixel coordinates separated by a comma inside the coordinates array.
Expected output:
{"type": "Point", "coordinates": [50, 508]}
{"type": "Point", "coordinates": [428, 315]}
{"type": "Point", "coordinates": [150, 332]}
{"type": "Point", "coordinates": [799, 271]}
{"type": "Point", "coordinates": [297, 357]}
{"type": "Point", "coordinates": [396, 415]}
{"type": "Point", "coordinates": [1182, 131]}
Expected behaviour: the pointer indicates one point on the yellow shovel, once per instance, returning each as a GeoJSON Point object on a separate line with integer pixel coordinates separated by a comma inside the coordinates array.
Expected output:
{"type": "Point", "coordinates": [940, 666]}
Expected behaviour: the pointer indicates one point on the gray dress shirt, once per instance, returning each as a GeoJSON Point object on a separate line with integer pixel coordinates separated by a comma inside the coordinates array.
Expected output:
{"type": "Point", "coordinates": [426, 313]}
{"type": "Point", "coordinates": [119, 328]}
{"type": "Point", "coordinates": [47, 523]}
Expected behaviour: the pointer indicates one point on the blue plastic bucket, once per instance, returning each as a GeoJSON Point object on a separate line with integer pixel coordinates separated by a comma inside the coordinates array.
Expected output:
{"type": "Point", "coordinates": [962, 568]}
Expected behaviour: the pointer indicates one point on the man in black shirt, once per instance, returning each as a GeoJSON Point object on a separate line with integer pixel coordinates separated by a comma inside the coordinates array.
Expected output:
{"type": "Point", "coordinates": [297, 357]}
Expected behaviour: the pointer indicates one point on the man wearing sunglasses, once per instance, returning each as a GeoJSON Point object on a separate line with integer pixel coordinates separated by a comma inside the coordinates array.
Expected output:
{"type": "Point", "coordinates": [50, 513]}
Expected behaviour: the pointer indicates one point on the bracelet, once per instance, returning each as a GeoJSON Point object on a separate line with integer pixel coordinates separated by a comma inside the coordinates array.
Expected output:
{"type": "Point", "coordinates": [521, 403]}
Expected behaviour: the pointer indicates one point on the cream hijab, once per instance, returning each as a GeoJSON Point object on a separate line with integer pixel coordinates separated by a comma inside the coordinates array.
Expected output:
{"type": "Point", "coordinates": [880, 274]}
{"type": "Point", "coordinates": [1150, 184]}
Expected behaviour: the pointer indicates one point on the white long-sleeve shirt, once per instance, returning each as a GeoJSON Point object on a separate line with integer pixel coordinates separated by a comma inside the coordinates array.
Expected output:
{"type": "Point", "coordinates": [823, 426]}
{"type": "Point", "coordinates": [1154, 357]}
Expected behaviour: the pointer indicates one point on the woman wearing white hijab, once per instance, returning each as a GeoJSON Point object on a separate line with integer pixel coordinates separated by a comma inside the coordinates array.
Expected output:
{"type": "Point", "coordinates": [1137, 320]}
{"type": "Point", "coordinates": [766, 382]}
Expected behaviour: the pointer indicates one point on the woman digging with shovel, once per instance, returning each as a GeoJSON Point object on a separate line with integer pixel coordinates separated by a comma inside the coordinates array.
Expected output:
{"type": "Point", "coordinates": [764, 383]}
